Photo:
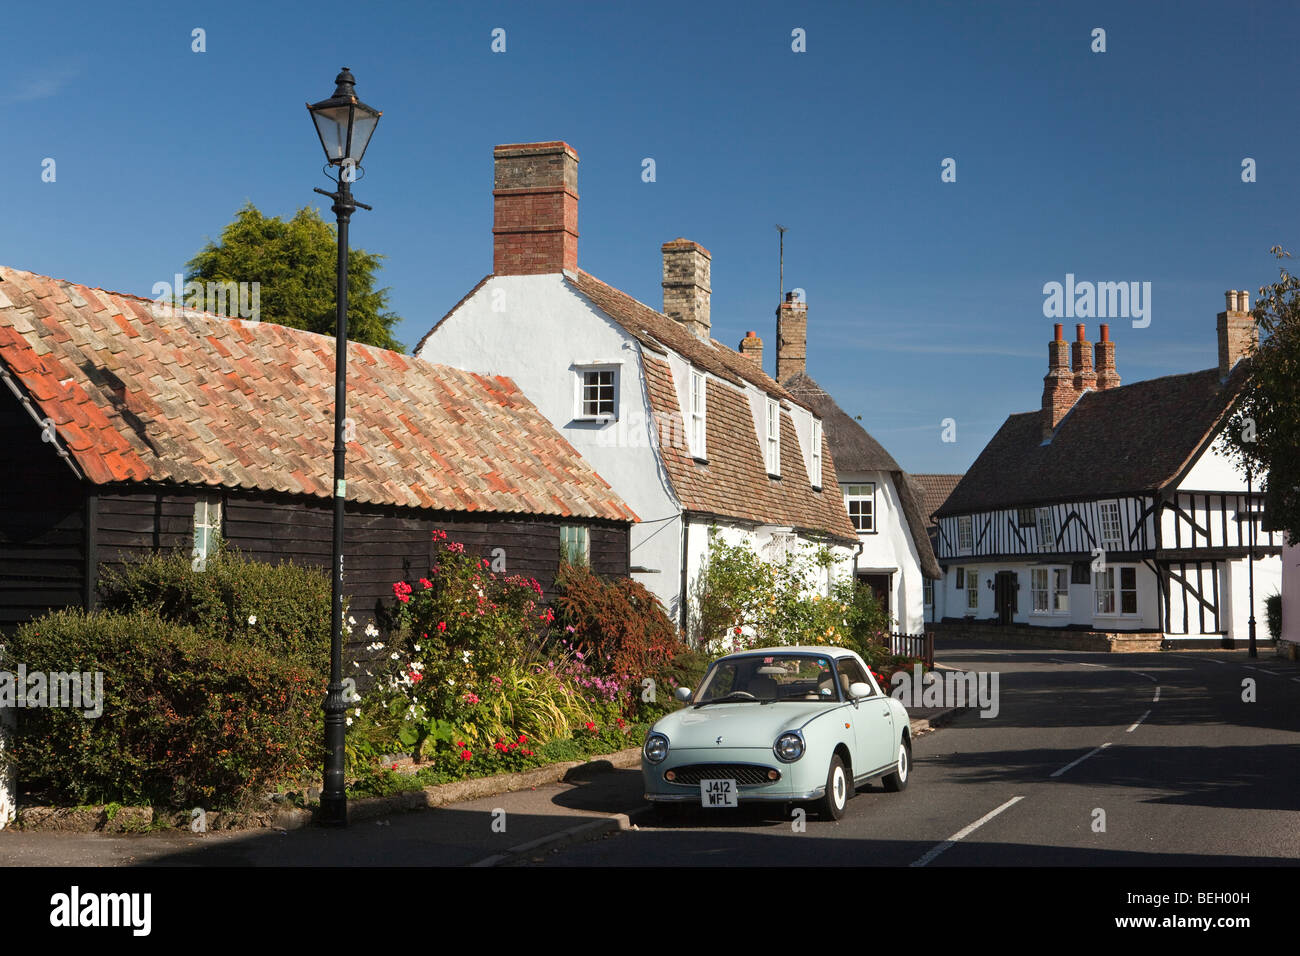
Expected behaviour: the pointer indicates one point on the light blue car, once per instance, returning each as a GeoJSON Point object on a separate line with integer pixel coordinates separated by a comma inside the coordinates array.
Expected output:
{"type": "Point", "coordinates": [782, 725]}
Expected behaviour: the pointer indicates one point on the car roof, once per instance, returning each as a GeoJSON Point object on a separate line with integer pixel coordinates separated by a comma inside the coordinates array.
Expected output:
{"type": "Point", "coordinates": [836, 652]}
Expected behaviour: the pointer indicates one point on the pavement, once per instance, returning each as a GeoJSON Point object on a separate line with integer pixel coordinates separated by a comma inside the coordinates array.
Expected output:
{"type": "Point", "coordinates": [523, 826]}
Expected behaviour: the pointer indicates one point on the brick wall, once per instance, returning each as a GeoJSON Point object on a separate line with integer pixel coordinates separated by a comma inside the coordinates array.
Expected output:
{"type": "Point", "coordinates": [535, 221]}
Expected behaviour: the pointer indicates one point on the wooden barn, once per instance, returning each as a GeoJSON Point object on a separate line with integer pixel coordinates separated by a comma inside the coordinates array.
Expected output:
{"type": "Point", "coordinates": [127, 427]}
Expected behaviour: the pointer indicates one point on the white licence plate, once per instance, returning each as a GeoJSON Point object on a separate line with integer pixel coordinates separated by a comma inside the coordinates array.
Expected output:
{"type": "Point", "coordinates": [718, 793]}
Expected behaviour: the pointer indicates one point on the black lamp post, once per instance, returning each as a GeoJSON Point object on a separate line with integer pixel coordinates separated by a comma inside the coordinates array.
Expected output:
{"type": "Point", "coordinates": [345, 126]}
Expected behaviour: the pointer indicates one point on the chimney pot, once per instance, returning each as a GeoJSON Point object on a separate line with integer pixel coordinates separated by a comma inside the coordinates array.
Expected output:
{"type": "Point", "coordinates": [535, 214]}
{"type": "Point", "coordinates": [1080, 332]}
{"type": "Point", "coordinates": [1105, 333]}
{"type": "Point", "coordinates": [1060, 332]}
{"type": "Point", "coordinates": [752, 346]}
{"type": "Point", "coordinates": [1243, 301]}
{"type": "Point", "coordinates": [1231, 299]}
{"type": "Point", "coordinates": [1107, 377]}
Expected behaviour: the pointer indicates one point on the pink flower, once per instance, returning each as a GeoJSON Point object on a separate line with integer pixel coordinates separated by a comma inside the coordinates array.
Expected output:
{"type": "Point", "coordinates": [497, 680]}
{"type": "Point", "coordinates": [471, 698]}
{"type": "Point", "coordinates": [442, 625]}
{"type": "Point", "coordinates": [570, 628]}
{"type": "Point", "coordinates": [426, 582]}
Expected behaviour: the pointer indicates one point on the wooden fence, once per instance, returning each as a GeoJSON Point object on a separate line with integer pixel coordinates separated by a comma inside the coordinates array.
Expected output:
{"type": "Point", "coordinates": [911, 645]}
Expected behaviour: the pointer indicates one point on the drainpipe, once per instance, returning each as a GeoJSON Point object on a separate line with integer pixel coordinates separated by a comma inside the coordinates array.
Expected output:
{"type": "Point", "coordinates": [683, 601]}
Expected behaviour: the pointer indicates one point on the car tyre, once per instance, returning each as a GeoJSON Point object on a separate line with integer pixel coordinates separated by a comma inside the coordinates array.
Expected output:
{"type": "Point", "coordinates": [896, 781]}
{"type": "Point", "coordinates": [838, 790]}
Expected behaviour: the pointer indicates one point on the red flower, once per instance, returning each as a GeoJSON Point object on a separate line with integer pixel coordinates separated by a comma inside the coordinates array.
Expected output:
{"type": "Point", "coordinates": [426, 583]}
{"type": "Point", "coordinates": [466, 755]}
{"type": "Point", "coordinates": [442, 625]}
{"type": "Point", "coordinates": [737, 630]}
{"type": "Point", "coordinates": [460, 743]}
{"type": "Point", "coordinates": [591, 726]}
{"type": "Point", "coordinates": [523, 739]}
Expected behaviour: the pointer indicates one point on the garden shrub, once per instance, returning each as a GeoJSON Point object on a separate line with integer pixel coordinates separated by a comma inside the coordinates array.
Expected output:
{"type": "Point", "coordinates": [1273, 611]}
{"type": "Point", "coordinates": [618, 626]}
{"type": "Point", "coordinates": [282, 608]}
{"type": "Point", "coordinates": [186, 722]}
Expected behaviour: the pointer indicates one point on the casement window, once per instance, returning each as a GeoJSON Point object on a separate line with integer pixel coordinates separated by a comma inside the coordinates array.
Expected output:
{"type": "Point", "coordinates": [1025, 517]}
{"type": "Point", "coordinates": [961, 579]}
{"type": "Point", "coordinates": [816, 471]}
{"type": "Point", "coordinates": [772, 446]}
{"type": "Point", "coordinates": [1038, 588]}
{"type": "Point", "coordinates": [972, 589]}
{"type": "Point", "coordinates": [860, 502]}
{"type": "Point", "coordinates": [575, 544]}
{"type": "Point", "coordinates": [698, 408]}
{"type": "Point", "coordinates": [965, 536]}
{"type": "Point", "coordinates": [1061, 590]}
{"type": "Point", "coordinates": [1111, 535]}
{"type": "Point", "coordinates": [597, 393]}
{"type": "Point", "coordinates": [1106, 591]}
{"type": "Point", "coordinates": [1046, 530]}
{"type": "Point", "coordinates": [207, 528]}
{"type": "Point", "coordinates": [927, 593]}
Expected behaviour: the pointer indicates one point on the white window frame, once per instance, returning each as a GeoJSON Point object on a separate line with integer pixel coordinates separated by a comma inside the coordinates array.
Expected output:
{"type": "Point", "coordinates": [862, 497]}
{"type": "Point", "coordinates": [580, 389]}
{"type": "Point", "coordinates": [927, 593]}
{"type": "Point", "coordinates": [772, 447]}
{"type": "Point", "coordinates": [965, 534]}
{"type": "Point", "coordinates": [207, 525]}
{"type": "Point", "coordinates": [1060, 590]}
{"type": "Point", "coordinates": [698, 411]}
{"type": "Point", "coordinates": [1046, 530]}
{"type": "Point", "coordinates": [1040, 580]}
{"type": "Point", "coordinates": [972, 589]}
{"type": "Point", "coordinates": [1111, 531]}
{"type": "Point", "coordinates": [576, 536]}
{"type": "Point", "coordinates": [817, 454]}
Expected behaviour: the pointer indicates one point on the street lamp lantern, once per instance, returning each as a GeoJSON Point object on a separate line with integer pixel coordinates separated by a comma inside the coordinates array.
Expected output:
{"type": "Point", "coordinates": [343, 123]}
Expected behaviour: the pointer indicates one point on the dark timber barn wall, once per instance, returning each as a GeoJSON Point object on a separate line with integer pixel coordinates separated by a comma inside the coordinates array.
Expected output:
{"type": "Point", "coordinates": [50, 521]}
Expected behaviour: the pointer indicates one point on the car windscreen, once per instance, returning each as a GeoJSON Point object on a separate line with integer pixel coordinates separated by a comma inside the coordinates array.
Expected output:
{"type": "Point", "coordinates": [774, 677]}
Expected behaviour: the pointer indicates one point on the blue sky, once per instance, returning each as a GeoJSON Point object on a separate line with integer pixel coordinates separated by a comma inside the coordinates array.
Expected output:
{"type": "Point", "coordinates": [925, 298]}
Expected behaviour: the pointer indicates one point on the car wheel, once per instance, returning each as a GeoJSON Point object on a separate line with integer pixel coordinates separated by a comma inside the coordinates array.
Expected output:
{"type": "Point", "coordinates": [897, 780]}
{"type": "Point", "coordinates": [838, 790]}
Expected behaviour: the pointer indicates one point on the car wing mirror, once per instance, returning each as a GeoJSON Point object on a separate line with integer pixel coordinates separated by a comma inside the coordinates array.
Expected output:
{"type": "Point", "coordinates": [683, 694]}
{"type": "Point", "coordinates": [860, 689]}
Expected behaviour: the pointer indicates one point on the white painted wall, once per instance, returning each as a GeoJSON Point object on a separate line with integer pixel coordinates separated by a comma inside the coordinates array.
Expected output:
{"type": "Point", "coordinates": [534, 329]}
{"type": "Point", "coordinates": [1214, 471]}
{"type": "Point", "coordinates": [891, 548]}
{"type": "Point", "coordinates": [8, 786]}
{"type": "Point", "coordinates": [1268, 580]}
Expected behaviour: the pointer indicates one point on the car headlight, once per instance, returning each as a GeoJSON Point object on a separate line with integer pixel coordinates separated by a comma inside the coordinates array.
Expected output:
{"type": "Point", "coordinates": [789, 746]}
{"type": "Point", "coordinates": [656, 748]}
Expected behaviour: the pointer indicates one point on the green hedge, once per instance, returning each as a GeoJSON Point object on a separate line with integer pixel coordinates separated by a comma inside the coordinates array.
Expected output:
{"type": "Point", "coordinates": [288, 605]}
{"type": "Point", "coordinates": [1273, 610]}
{"type": "Point", "coordinates": [187, 721]}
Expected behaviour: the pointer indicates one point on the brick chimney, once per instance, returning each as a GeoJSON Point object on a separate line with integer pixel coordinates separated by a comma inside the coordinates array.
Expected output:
{"type": "Point", "coordinates": [1238, 333]}
{"type": "Point", "coordinates": [686, 285]}
{"type": "Point", "coordinates": [535, 220]}
{"type": "Point", "coordinates": [752, 346]}
{"type": "Point", "coordinates": [1081, 361]}
{"type": "Point", "coordinates": [791, 337]}
{"type": "Point", "coordinates": [1107, 377]}
{"type": "Point", "coordinates": [1058, 384]}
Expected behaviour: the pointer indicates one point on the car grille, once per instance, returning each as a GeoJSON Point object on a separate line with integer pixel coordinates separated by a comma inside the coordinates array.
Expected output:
{"type": "Point", "coordinates": [744, 774]}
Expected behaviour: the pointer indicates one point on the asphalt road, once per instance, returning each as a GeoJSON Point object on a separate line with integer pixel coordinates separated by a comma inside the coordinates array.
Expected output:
{"type": "Point", "coordinates": [1185, 772]}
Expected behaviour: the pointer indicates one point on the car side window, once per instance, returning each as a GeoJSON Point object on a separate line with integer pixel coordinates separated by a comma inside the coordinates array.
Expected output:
{"type": "Point", "coordinates": [851, 673]}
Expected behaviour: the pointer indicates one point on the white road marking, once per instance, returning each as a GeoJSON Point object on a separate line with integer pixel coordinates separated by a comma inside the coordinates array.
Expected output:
{"type": "Point", "coordinates": [1079, 663]}
{"type": "Point", "coordinates": [1075, 763]}
{"type": "Point", "coordinates": [1138, 721]}
{"type": "Point", "coordinates": [1249, 668]}
{"type": "Point", "coordinates": [964, 832]}
{"type": "Point", "coordinates": [1214, 660]}
{"type": "Point", "coordinates": [1147, 676]}
{"type": "Point", "coordinates": [1157, 696]}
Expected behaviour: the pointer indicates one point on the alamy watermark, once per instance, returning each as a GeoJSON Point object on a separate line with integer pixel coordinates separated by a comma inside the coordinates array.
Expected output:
{"type": "Point", "coordinates": [235, 300]}
{"type": "Point", "coordinates": [73, 690]}
{"type": "Point", "coordinates": [1100, 300]}
{"type": "Point", "coordinates": [947, 689]}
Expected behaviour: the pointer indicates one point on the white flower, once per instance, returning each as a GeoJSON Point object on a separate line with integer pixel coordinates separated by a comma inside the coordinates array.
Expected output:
{"type": "Point", "coordinates": [465, 656]}
{"type": "Point", "coordinates": [349, 721]}
{"type": "Point", "coordinates": [371, 630]}
{"type": "Point", "coordinates": [351, 619]}
{"type": "Point", "coordinates": [416, 646]}
{"type": "Point", "coordinates": [358, 711]}
{"type": "Point", "coordinates": [252, 619]}
{"type": "Point", "coordinates": [451, 682]}
{"type": "Point", "coordinates": [394, 655]}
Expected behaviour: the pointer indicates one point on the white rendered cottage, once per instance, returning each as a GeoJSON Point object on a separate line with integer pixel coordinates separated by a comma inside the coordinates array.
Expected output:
{"type": "Point", "coordinates": [690, 433]}
{"type": "Point", "coordinates": [1115, 508]}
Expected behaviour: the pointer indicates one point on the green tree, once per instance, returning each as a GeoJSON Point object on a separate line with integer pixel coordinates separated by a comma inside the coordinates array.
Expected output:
{"type": "Point", "coordinates": [294, 262]}
{"type": "Point", "coordinates": [1265, 432]}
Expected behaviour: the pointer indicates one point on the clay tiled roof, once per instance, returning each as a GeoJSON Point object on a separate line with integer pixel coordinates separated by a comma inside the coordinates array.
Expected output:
{"type": "Point", "coordinates": [933, 491]}
{"type": "Point", "coordinates": [734, 482]}
{"type": "Point", "coordinates": [1135, 438]}
{"type": "Point", "coordinates": [658, 332]}
{"type": "Point", "coordinates": [137, 394]}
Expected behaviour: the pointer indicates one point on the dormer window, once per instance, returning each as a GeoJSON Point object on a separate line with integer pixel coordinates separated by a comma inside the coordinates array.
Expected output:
{"type": "Point", "coordinates": [772, 446]}
{"type": "Point", "coordinates": [697, 415]}
{"type": "Point", "coordinates": [816, 475]}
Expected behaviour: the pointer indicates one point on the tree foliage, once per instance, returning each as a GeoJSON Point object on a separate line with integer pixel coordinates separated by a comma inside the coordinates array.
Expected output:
{"type": "Point", "coordinates": [1264, 436]}
{"type": "Point", "coordinates": [295, 264]}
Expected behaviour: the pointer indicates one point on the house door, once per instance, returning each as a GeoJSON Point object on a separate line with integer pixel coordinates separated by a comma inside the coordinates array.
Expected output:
{"type": "Point", "coordinates": [879, 584]}
{"type": "Point", "coordinates": [1004, 596]}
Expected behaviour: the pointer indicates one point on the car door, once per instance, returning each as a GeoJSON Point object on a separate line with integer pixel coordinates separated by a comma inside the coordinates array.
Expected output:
{"type": "Point", "coordinates": [873, 721]}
